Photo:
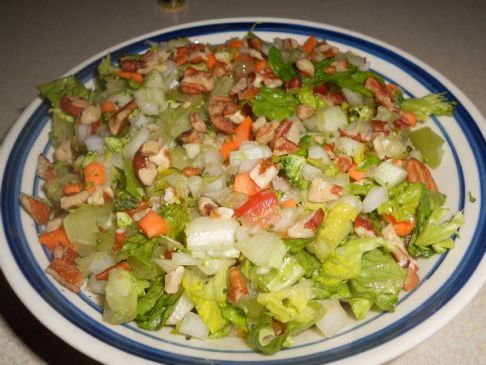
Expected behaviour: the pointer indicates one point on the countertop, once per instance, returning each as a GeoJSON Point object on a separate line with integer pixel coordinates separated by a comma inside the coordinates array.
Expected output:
{"type": "Point", "coordinates": [40, 40]}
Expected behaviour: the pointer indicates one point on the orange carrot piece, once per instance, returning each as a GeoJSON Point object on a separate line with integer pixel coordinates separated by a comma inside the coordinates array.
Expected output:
{"type": "Point", "coordinates": [135, 76]}
{"type": "Point", "coordinates": [228, 146]}
{"type": "Point", "coordinates": [237, 286]}
{"type": "Point", "coordinates": [211, 61]}
{"type": "Point", "coordinates": [95, 126]}
{"type": "Point", "coordinates": [402, 228]}
{"type": "Point", "coordinates": [392, 89]}
{"type": "Point", "coordinates": [120, 238]}
{"type": "Point", "coordinates": [105, 273]}
{"type": "Point", "coordinates": [72, 188]}
{"type": "Point", "coordinates": [243, 131]}
{"type": "Point", "coordinates": [235, 44]}
{"type": "Point", "coordinates": [289, 203]}
{"type": "Point", "coordinates": [53, 238]}
{"type": "Point", "coordinates": [153, 225]}
{"type": "Point", "coordinates": [94, 175]}
{"type": "Point", "coordinates": [260, 65]}
{"type": "Point", "coordinates": [310, 44]}
{"type": "Point", "coordinates": [245, 184]}
{"type": "Point", "coordinates": [353, 173]}
{"type": "Point", "coordinates": [108, 106]}
{"type": "Point", "coordinates": [412, 119]}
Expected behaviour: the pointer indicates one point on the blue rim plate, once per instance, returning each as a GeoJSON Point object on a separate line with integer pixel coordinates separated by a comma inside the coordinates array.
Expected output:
{"type": "Point", "coordinates": [448, 282]}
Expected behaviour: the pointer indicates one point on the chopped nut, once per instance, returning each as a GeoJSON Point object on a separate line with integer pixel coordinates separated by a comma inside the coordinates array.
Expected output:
{"type": "Point", "coordinates": [173, 280]}
{"type": "Point", "coordinates": [91, 114]}
{"type": "Point", "coordinates": [305, 111]}
{"type": "Point", "coordinates": [205, 205]}
{"type": "Point", "coordinates": [305, 66]}
{"type": "Point", "coordinates": [321, 191]}
{"type": "Point", "coordinates": [64, 152]}
{"type": "Point", "coordinates": [75, 200]}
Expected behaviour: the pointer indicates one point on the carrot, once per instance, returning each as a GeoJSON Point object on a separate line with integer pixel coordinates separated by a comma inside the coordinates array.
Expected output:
{"type": "Point", "coordinates": [53, 238]}
{"type": "Point", "coordinates": [245, 184]}
{"type": "Point", "coordinates": [309, 44]}
{"type": "Point", "coordinates": [105, 273]}
{"type": "Point", "coordinates": [402, 228]}
{"type": "Point", "coordinates": [289, 203]}
{"type": "Point", "coordinates": [237, 286]}
{"type": "Point", "coordinates": [72, 188]}
{"type": "Point", "coordinates": [94, 175]}
{"type": "Point", "coordinates": [412, 119]}
{"type": "Point", "coordinates": [260, 65]}
{"type": "Point", "coordinates": [95, 126]}
{"type": "Point", "coordinates": [153, 224]}
{"type": "Point", "coordinates": [135, 76]}
{"type": "Point", "coordinates": [228, 146]}
{"type": "Point", "coordinates": [120, 238]}
{"type": "Point", "coordinates": [235, 44]}
{"type": "Point", "coordinates": [392, 89]}
{"type": "Point", "coordinates": [211, 61]}
{"type": "Point", "coordinates": [243, 131]}
{"type": "Point", "coordinates": [108, 106]}
{"type": "Point", "coordinates": [353, 173]}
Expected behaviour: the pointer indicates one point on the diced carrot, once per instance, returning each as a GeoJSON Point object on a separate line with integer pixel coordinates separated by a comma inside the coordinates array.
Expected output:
{"type": "Point", "coordinates": [402, 228]}
{"type": "Point", "coordinates": [95, 126]}
{"type": "Point", "coordinates": [243, 131]}
{"type": "Point", "coordinates": [237, 286]}
{"type": "Point", "coordinates": [235, 44]}
{"type": "Point", "coordinates": [237, 55]}
{"type": "Point", "coordinates": [412, 119]}
{"type": "Point", "coordinates": [353, 173]}
{"type": "Point", "coordinates": [309, 44]}
{"type": "Point", "coordinates": [105, 273]}
{"type": "Point", "coordinates": [94, 175]}
{"type": "Point", "coordinates": [53, 238]}
{"type": "Point", "coordinates": [245, 184]}
{"type": "Point", "coordinates": [153, 225]}
{"type": "Point", "coordinates": [72, 188]}
{"type": "Point", "coordinates": [260, 65]}
{"type": "Point", "coordinates": [135, 76]}
{"type": "Point", "coordinates": [289, 203]}
{"type": "Point", "coordinates": [211, 61]}
{"type": "Point", "coordinates": [228, 146]}
{"type": "Point", "coordinates": [392, 89]}
{"type": "Point", "coordinates": [120, 238]}
{"type": "Point", "coordinates": [141, 206]}
{"type": "Point", "coordinates": [108, 106]}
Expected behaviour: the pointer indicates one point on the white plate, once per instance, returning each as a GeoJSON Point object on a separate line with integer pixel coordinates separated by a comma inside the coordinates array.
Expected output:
{"type": "Point", "coordinates": [448, 281]}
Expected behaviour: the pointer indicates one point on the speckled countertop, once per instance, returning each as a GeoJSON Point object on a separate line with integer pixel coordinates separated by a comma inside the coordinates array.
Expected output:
{"type": "Point", "coordinates": [40, 40]}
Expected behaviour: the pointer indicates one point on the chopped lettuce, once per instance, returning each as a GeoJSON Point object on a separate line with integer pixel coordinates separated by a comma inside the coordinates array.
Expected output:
{"type": "Point", "coordinates": [308, 262]}
{"type": "Point", "coordinates": [403, 201]}
{"type": "Point", "coordinates": [120, 298]}
{"type": "Point", "coordinates": [288, 274]}
{"type": "Point", "coordinates": [283, 70]}
{"type": "Point", "coordinates": [138, 252]}
{"type": "Point", "coordinates": [436, 104]}
{"type": "Point", "coordinates": [437, 234]}
{"type": "Point", "coordinates": [155, 307]}
{"type": "Point", "coordinates": [275, 104]}
{"type": "Point", "coordinates": [380, 281]}
{"type": "Point", "coordinates": [236, 316]}
{"type": "Point", "coordinates": [177, 217]}
{"type": "Point", "coordinates": [306, 96]}
{"type": "Point", "coordinates": [61, 130]}
{"type": "Point", "coordinates": [70, 85]}
{"type": "Point", "coordinates": [296, 244]}
{"type": "Point", "coordinates": [262, 336]}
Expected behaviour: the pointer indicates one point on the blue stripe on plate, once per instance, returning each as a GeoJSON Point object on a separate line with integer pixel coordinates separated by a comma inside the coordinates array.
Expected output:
{"type": "Point", "coordinates": [35, 275]}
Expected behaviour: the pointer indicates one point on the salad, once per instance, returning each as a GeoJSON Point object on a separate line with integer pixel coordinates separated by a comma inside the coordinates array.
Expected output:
{"type": "Point", "coordinates": [250, 188]}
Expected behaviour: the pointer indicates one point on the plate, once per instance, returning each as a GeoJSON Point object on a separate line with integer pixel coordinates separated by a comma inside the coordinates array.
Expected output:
{"type": "Point", "coordinates": [448, 281]}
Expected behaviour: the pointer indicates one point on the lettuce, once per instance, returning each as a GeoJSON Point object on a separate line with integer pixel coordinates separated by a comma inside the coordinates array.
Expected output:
{"type": "Point", "coordinates": [283, 70]}
{"type": "Point", "coordinates": [437, 234]}
{"type": "Point", "coordinates": [337, 225]}
{"type": "Point", "coordinates": [120, 298]}
{"type": "Point", "coordinates": [296, 244]}
{"type": "Point", "coordinates": [403, 201]}
{"type": "Point", "coordinates": [308, 261]}
{"type": "Point", "coordinates": [288, 274]}
{"type": "Point", "coordinates": [275, 104]}
{"type": "Point", "coordinates": [155, 307]}
{"type": "Point", "coordinates": [70, 85]}
{"type": "Point", "coordinates": [236, 316]}
{"type": "Point", "coordinates": [262, 336]}
{"type": "Point", "coordinates": [380, 281]}
{"type": "Point", "coordinates": [306, 96]}
{"type": "Point", "coordinates": [436, 104]}
{"type": "Point", "coordinates": [138, 252]}
{"type": "Point", "coordinates": [177, 217]}
{"type": "Point", "coordinates": [61, 130]}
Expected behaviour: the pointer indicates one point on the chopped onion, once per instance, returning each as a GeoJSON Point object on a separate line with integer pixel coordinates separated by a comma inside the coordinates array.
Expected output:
{"type": "Point", "coordinates": [183, 259]}
{"type": "Point", "coordinates": [193, 325]}
{"type": "Point", "coordinates": [388, 174]}
{"type": "Point", "coordinates": [212, 266]}
{"type": "Point", "coordinates": [140, 121]}
{"type": "Point", "coordinates": [194, 183]}
{"type": "Point", "coordinates": [150, 100]}
{"type": "Point", "coordinates": [192, 149]}
{"type": "Point", "coordinates": [351, 200]}
{"type": "Point", "coordinates": [375, 197]}
{"type": "Point", "coordinates": [264, 249]}
{"type": "Point", "coordinates": [335, 318]}
{"type": "Point", "coordinates": [349, 146]}
{"type": "Point", "coordinates": [353, 98]}
{"type": "Point", "coordinates": [288, 217]}
{"type": "Point", "coordinates": [213, 161]}
{"type": "Point", "coordinates": [100, 261]}
{"type": "Point", "coordinates": [96, 286]}
{"type": "Point", "coordinates": [166, 265]}
{"type": "Point", "coordinates": [332, 119]}
{"type": "Point", "coordinates": [82, 131]}
{"type": "Point", "coordinates": [319, 153]}
{"type": "Point", "coordinates": [95, 143]}
{"type": "Point", "coordinates": [206, 233]}
{"type": "Point", "coordinates": [247, 165]}
{"type": "Point", "coordinates": [121, 98]}
{"type": "Point", "coordinates": [310, 172]}
{"type": "Point", "coordinates": [134, 144]}
{"type": "Point", "coordinates": [183, 306]}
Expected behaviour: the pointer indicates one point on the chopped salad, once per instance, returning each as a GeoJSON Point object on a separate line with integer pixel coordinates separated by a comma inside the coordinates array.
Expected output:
{"type": "Point", "coordinates": [250, 188]}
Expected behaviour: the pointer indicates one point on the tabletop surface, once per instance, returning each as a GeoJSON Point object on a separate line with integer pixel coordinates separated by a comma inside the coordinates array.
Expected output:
{"type": "Point", "coordinates": [40, 40]}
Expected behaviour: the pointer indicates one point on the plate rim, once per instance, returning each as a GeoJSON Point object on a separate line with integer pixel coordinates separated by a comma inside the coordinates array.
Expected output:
{"type": "Point", "coordinates": [422, 331]}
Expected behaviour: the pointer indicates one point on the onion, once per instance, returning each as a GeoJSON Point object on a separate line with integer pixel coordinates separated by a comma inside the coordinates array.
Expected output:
{"type": "Point", "coordinates": [310, 172]}
{"type": "Point", "coordinates": [375, 197]}
{"type": "Point", "coordinates": [166, 265]}
{"type": "Point", "coordinates": [213, 161]}
{"type": "Point", "coordinates": [100, 261]}
{"type": "Point", "coordinates": [206, 233]}
{"type": "Point", "coordinates": [212, 266]}
{"type": "Point", "coordinates": [95, 143]}
{"type": "Point", "coordinates": [353, 98]}
{"type": "Point", "coordinates": [182, 307]}
{"type": "Point", "coordinates": [96, 286]}
{"type": "Point", "coordinates": [82, 131]}
{"type": "Point", "coordinates": [319, 153]}
{"type": "Point", "coordinates": [121, 98]}
{"type": "Point", "coordinates": [351, 200]}
{"type": "Point", "coordinates": [247, 165]}
{"type": "Point", "coordinates": [183, 259]}
{"type": "Point", "coordinates": [194, 183]}
{"type": "Point", "coordinates": [335, 318]}
{"type": "Point", "coordinates": [349, 146]}
{"type": "Point", "coordinates": [154, 79]}
{"type": "Point", "coordinates": [140, 121]}
{"type": "Point", "coordinates": [264, 249]}
{"type": "Point", "coordinates": [331, 119]}
{"type": "Point", "coordinates": [388, 174]}
{"type": "Point", "coordinates": [171, 67]}
{"type": "Point", "coordinates": [192, 149]}
{"type": "Point", "coordinates": [288, 217]}
{"type": "Point", "coordinates": [215, 187]}
{"type": "Point", "coordinates": [150, 100]}
{"type": "Point", "coordinates": [134, 144]}
{"type": "Point", "coordinates": [193, 325]}
{"type": "Point", "coordinates": [117, 160]}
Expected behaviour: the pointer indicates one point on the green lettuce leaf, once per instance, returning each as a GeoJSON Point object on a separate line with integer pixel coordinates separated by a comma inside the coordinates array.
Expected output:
{"type": "Point", "coordinates": [138, 252]}
{"type": "Point", "coordinates": [262, 336]}
{"type": "Point", "coordinates": [439, 234]}
{"type": "Point", "coordinates": [70, 85]}
{"type": "Point", "coordinates": [120, 298]}
{"type": "Point", "coordinates": [436, 104]}
{"type": "Point", "coordinates": [306, 96]}
{"type": "Point", "coordinates": [403, 201]}
{"type": "Point", "coordinates": [177, 217]}
{"type": "Point", "coordinates": [236, 316]}
{"type": "Point", "coordinates": [283, 70]}
{"type": "Point", "coordinates": [275, 104]}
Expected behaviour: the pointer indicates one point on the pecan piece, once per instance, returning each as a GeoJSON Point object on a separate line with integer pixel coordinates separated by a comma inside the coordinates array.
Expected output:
{"type": "Point", "coordinates": [286, 139]}
{"type": "Point", "coordinates": [72, 105]}
{"type": "Point", "coordinates": [418, 172]}
{"type": "Point", "coordinates": [37, 209]}
{"type": "Point", "coordinates": [379, 126]}
{"type": "Point", "coordinates": [380, 93]}
{"type": "Point", "coordinates": [197, 82]}
{"type": "Point", "coordinates": [66, 274]}
{"type": "Point", "coordinates": [131, 64]}
{"type": "Point", "coordinates": [219, 107]}
{"type": "Point", "coordinates": [120, 119]}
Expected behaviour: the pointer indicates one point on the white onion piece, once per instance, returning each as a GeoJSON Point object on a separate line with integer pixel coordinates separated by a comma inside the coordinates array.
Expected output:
{"type": "Point", "coordinates": [388, 174]}
{"type": "Point", "coordinates": [166, 265]}
{"type": "Point", "coordinates": [193, 325]}
{"type": "Point", "coordinates": [121, 98]}
{"type": "Point", "coordinates": [150, 100]}
{"type": "Point", "coordinates": [216, 186]}
{"type": "Point", "coordinates": [192, 149]}
{"type": "Point", "coordinates": [319, 153]}
{"type": "Point", "coordinates": [117, 160]}
{"type": "Point", "coordinates": [154, 79]}
{"type": "Point", "coordinates": [213, 161]}
{"type": "Point", "coordinates": [183, 306]}
{"type": "Point", "coordinates": [310, 172]}
{"type": "Point", "coordinates": [247, 165]}
{"type": "Point", "coordinates": [353, 98]}
{"type": "Point", "coordinates": [264, 249]}
{"type": "Point", "coordinates": [95, 143]}
{"type": "Point", "coordinates": [195, 183]}
{"type": "Point", "coordinates": [334, 320]}
{"type": "Point", "coordinates": [134, 144]}
{"type": "Point", "coordinates": [183, 259]}
{"type": "Point", "coordinates": [349, 146]}
{"type": "Point", "coordinates": [171, 67]}
{"type": "Point", "coordinates": [212, 266]}
{"type": "Point", "coordinates": [82, 131]}
{"type": "Point", "coordinates": [288, 217]}
{"type": "Point", "coordinates": [140, 121]}
{"type": "Point", "coordinates": [351, 200]}
{"type": "Point", "coordinates": [206, 233]}
{"type": "Point", "coordinates": [96, 286]}
{"type": "Point", "coordinates": [375, 197]}
{"type": "Point", "coordinates": [100, 261]}
{"type": "Point", "coordinates": [332, 119]}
